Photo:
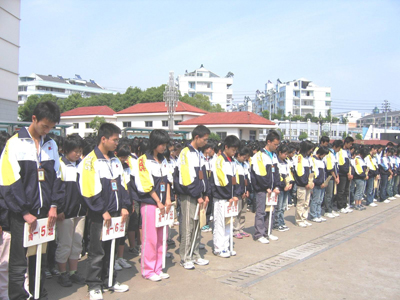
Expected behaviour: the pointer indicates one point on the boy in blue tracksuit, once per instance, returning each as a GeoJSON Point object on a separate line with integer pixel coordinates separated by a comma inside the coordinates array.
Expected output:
{"type": "Point", "coordinates": [225, 189]}
{"type": "Point", "coordinates": [386, 173]}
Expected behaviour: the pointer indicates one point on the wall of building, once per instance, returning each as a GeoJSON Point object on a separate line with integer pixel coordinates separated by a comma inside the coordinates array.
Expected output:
{"type": "Point", "coordinates": [9, 58]}
{"type": "Point", "coordinates": [82, 120]}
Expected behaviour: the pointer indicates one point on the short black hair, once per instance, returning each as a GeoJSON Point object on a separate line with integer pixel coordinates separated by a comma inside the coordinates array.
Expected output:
{"type": "Point", "coordinates": [272, 136]}
{"type": "Point", "coordinates": [306, 146]}
{"type": "Point", "coordinates": [123, 149]}
{"type": "Point", "coordinates": [107, 130]}
{"type": "Point", "coordinates": [323, 150]}
{"type": "Point", "coordinates": [231, 141]}
{"type": "Point", "coordinates": [72, 142]}
{"type": "Point", "coordinates": [364, 151]}
{"type": "Point", "coordinates": [348, 139]}
{"type": "Point", "coordinates": [143, 146]}
{"type": "Point", "coordinates": [337, 144]}
{"type": "Point", "coordinates": [158, 137]}
{"type": "Point", "coordinates": [4, 137]}
{"type": "Point", "coordinates": [282, 148]}
{"type": "Point", "coordinates": [324, 139]}
{"type": "Point", "coordinates": [201, 131]}
{"type": "Point", "coordinates": [47, 110]}
{"type": "Point", "coordinates": [244, 151]}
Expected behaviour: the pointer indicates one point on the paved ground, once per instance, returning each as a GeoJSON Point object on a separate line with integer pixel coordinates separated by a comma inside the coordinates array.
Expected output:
{"type": "Point", "coordinates": [353, 256]}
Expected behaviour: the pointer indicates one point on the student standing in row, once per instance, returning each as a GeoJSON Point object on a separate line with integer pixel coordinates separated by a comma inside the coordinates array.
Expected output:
{"type": "Point", "coordinates": [192, 186]}
{"type": "Point", "coordinates": [265, 180]}
{"type": "Point", "coordinates": [102, 187]}
{"type": "Point", "coordinates": [31, 185]}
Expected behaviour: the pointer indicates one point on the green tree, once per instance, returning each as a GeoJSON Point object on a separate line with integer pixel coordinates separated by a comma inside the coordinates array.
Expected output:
{"type": "Point", "coordinates": [297, 118]}
{"type": "Point", "coordinates": [214, 136]}
{"type": "Point", "coordinates": [25, 111]}
{"type": "Point", "coordinates": [96, 123]}
{"type": "Point", "coordinates": [202, 102]}
{"type": "Point", "coordinates": [308, 116]}
{"type": "Point", "coordinates": [265, 114]}
{"type": "Point", "coordinates": [344, 135]}
{"type": "Point", "coordinates": [359, 136]}
{"type": "Point", "coordinates": [303, 136]}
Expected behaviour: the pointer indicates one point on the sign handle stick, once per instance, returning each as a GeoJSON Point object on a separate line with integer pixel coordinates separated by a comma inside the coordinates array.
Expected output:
{"type": "Point", "coordinates": [270, 219]}
{"type": "Point", "coordinates": [164, 246]}
{"type": "Point", "coordinates": [38, 270]}
{"type": "Point", "coordinates": [231, 225]}
{"type": "Point", "coordinates": [111, 274]}
{"type": "Point", "coordinates": [194, 238]}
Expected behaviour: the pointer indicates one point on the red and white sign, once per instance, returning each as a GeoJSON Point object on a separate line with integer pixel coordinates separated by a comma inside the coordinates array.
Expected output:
{"type": "Point", "coordinates": [116, 230]}
{"type": "Point", "coordinates": [231, 210]}
{"type": "Point", "coordinates": [164, 220]}
{"type": "Point", "coordinates": [41, 234]}
{"type": "Point", "coordinates": [272, 199]}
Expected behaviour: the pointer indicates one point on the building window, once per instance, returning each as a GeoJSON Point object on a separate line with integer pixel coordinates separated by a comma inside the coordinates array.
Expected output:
{"type": "Point", "coordinates": [148, 123]}
{"type": "Point", "coordinates": [165, 123]}
{"type": "Point", "coordinates": [295, 84]}
{"type": "Point", "coordinates": [76, 125]}
{"type": "Point", "coordinates": [222, 135]}
{"type": "Point", "coordinates": [252, 135]}
{"type": "Point", "coordinates": [126, 124]}
{"type": "Point", "coordinates": [87, 125]}
{"type": "Point", "coordinates": [327, 94]}
{"type": "Point", "coordinates": [192, 85]}
{"type": "Point", "coordinates": [22, 88]}
{"type": "Point", "coordinates": [177, 121]}
{"type": "Point", "coordinates": [328, 103]}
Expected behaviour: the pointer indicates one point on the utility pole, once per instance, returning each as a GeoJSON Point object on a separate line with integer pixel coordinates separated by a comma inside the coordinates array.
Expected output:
{"type": "Point", "coordinates": [290, 126]}
{"type": "Point", "coordinates": [386, 108]}
{"type": "Point", "coordinates": [171, 98]}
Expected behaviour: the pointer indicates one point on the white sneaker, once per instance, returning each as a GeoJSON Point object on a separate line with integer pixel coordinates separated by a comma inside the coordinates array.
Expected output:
{"type": "Point", "coordinates": [273, 237]}
{"type": "Point", "coordinates": [397, 195]}
{"type": "Point", "coordinates": [301, 224]}
{"type": "Point", "coordinates": [307, 223]}
{"type": "Point", "coordinates": [117, 266]}
{"type": "Point", "coordinates": [202, 246]}
{"type": "Point", "coordinates": [329, 215]}
{"type": "Point", "coordinates": [322, 219]}
{"type": "Point", "coordinates": [349, 209]}
{"type": "Point", "coordinates": [375, 200]}
{"type": "Point", "coordinates": [188, 265]}
{"type": "Point", "coordinates": [163, 275]}
{"type": "Point", "coordinates": [335, 213]}
{"type": "Point", "coordinates": [263, 240]}
{"type": "Point", "coordinates": [373, 204]}
{"type": "Point", "coordinates": [344, 211]}
{"type": "Point", "coordinates": [223, 253]}
{"type": "Point", "coordinates": [123, 263]}
{"type": "Point", "coordinates": [201, 262]}
{"type": "Point", "coordinates": [316, 220]}
{"type": "Point", "coordinates": [119, 288]}
{"type": "Point", "coordinates": [392, 198]}
{"type": "Point", "coordinates": [154, 278]}
{"type": "Point", "coordinates": [386, 201]}
{"type": "Point", "coordinates": [233, 253]}
{"type": "Point", "coordinates": [96, 295]}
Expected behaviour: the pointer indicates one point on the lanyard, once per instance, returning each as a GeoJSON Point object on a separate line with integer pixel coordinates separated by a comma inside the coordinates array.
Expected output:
{"type": "Point", "coordinates": [109, 165]}
{"type": "Point", "coordinates": [39, 155]}
{"type": "Point", "coordinates": [269, 153]}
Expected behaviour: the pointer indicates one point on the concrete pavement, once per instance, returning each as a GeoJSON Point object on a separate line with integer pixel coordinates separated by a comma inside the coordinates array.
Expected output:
{"type": "Point", "coordinates": [349, 257]}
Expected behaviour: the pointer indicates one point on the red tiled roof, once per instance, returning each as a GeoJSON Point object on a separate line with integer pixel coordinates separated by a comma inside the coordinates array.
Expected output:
{"type": "Point", "coordinates": [370, 142]}
{"type": "Point", "coordinates": [159, 107]}
{"type": "Point", "coordinates": [89, 110]}
{"type": "Point", "coordinates": [239, 117]}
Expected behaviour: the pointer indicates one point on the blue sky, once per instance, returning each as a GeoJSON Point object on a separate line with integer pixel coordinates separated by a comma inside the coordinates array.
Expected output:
{"type": "Point", "coordinates": [351, 46]}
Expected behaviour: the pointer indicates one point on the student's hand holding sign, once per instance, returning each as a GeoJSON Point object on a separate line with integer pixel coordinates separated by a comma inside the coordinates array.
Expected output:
{"type": "Point", "coordinates": [124, 215]}
{"type": "Point", "coordinates": [52, 215]}
{"type": "Point", "coordinates": [168, 205]}
{"type": "Point", "coordinates": [107, 219]}
{"type": "Point", "coordinates": [32, 221]}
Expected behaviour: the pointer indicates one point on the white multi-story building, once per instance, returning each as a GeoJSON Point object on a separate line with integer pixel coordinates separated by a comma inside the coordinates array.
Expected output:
{"type": "Point", "coordinates": [9, 56]}
{"type": "Point", "coordinates": [297, 97]}
{"type": "Point", "coordinates": [350, 116]}
{"type": "Point", "coordinates": [58, 86]}
{"type": "Point", "coordinates": [205, 82]}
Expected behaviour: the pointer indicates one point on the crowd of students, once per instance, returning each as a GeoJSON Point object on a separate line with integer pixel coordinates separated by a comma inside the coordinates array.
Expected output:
{"type": "Point", "coordinates": [81, 184]}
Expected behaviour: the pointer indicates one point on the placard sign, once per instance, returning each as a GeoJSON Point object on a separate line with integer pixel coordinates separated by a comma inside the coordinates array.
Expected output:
{"type": "Point", "coordinates": [231, 210]}
{"type": "Point", "coordinates": [41, 234]}
{"type": "Point", "coordinates": [164, 220]}
{"type": "Point", "coordinates": [272, 199]}
{"type": "Point", "coordinates": [116, 230]}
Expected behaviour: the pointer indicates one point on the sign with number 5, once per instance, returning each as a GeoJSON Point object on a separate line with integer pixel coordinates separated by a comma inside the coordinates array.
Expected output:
{"type": "Point", "coordinates": [41, 234]}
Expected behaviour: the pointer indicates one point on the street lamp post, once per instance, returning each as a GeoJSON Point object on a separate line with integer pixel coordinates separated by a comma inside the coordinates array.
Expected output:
{"type": "Point", "coordinates": [290, 126]}
{"type": "Point", "coordinates": [171, 98]}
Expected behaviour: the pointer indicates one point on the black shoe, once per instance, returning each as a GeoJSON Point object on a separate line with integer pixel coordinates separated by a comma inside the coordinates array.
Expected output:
{"type": "Point", "coordinates": [76, 278]}
{"type": "Point", "coordinates": [64, 280]}
{"type": "Point", "coordinates": [55, 272]}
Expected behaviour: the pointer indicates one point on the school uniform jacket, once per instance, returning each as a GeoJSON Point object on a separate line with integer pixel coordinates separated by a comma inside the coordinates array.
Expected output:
{"type": "Point", "coordinates": [319, 171]}
{"type": "Point", "coordinates": [186, 174]}
{"type": "Point", "coordinates": [95, 176]}
{"type": "Point", "coordinates": [243, 176]}
{"type": "Point", "coordinates": [343, 161]}
{"type": "Point", "coordinates": [19, 182]}
{"type": "Point", "coordinates": [150, 176]}
{"type": "Point", "coordinates": [130, 175]}
{"type": "Point", "coordinates": [302, 170]}
{"type": "Point", "coordinates": [264, 171]}
{"type": "Point", "coordinates": [373, 170]}
{"type": "Point", "coordinates": [331, 163]}
{"type": "Point", "coordinates": [284, 172]}
{"type": "Point", "coordinates": [222, 172]}
{"type": "Point", "coordinates": [384, 166]}
{"type": "Point", "coordinates": [73, 203]}
{"type": "Point", "coordinates": [360, 168]}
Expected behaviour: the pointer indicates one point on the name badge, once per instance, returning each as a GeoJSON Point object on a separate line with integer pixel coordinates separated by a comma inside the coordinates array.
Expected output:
{"type": "Point", "coordinates": [41, 174]}
{"type": "Point", "coordinates": [114, 185]}
{"type": "Point", "coordinates": [162, 187]}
